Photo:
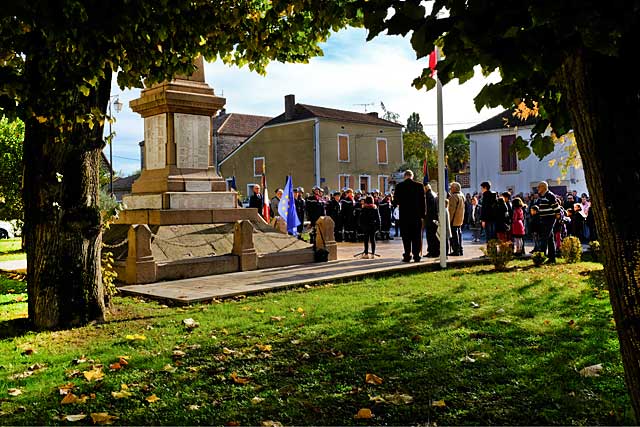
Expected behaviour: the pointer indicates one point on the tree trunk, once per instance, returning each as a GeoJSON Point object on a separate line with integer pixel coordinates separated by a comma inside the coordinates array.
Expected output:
{"type": "Point", "coordinates": [62, 219]}
{"type": "Point", "coordinates": [603, 96]}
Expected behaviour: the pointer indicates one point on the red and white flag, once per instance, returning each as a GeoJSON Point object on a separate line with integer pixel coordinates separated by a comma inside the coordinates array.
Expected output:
{"type": "Point", "coordinates": [266, 209]}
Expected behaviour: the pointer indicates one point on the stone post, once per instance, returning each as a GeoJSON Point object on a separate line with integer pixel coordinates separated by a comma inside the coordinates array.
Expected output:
{"type": "Point", "coordinates": [281, 224]}
{"type": "Point", "coordinates": [325, 238]}
{"type": "Point", "coordinates": [243, 246]}
{"type": "Point", "coordinates": [140, 267]}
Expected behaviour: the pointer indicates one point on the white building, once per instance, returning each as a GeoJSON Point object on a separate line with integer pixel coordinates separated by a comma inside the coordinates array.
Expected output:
{"type": "Point", "coordinates": [493, 161]}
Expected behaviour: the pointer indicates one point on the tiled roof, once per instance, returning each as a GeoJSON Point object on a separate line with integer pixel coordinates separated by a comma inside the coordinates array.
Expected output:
{"type": "Point", "coordinates": [125, 183]}
{"type": "Point", "coordinates": [238, 124]}
{"type": "Point", "coordinates": [303, 111]}
{"type": "Point", "coordinates": [504, 120]}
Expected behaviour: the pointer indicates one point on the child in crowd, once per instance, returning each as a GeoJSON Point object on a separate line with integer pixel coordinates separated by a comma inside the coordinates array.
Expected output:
{"type": "Point", "coordinates": [517, 226]}
{"type": "Point", "coordinates": [369, 224]}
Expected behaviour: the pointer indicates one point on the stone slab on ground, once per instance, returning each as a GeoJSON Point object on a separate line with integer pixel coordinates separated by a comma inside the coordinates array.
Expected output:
{"type": "Point", "coordinates": [346, 268]}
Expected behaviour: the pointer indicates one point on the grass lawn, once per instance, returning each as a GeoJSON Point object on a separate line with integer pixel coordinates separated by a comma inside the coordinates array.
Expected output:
{"type": "Point", "coordinates": [460, 346]}
{"type": "Point", "coordinates": [11, 250]}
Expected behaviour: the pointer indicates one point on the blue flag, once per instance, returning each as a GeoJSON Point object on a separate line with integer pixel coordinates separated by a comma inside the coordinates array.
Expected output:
{"type": "Point", "coordinates": [425, 171]}
{"type": "Point", "coordinates": [287, 208]}
{"type": "Point", "coordinates": [446, 179]}
{"type": "Point", "coordinates": [232, 183]}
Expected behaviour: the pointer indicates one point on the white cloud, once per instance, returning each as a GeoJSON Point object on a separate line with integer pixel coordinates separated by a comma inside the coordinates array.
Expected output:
{"type": "Point", "coordinates": [351, 72]}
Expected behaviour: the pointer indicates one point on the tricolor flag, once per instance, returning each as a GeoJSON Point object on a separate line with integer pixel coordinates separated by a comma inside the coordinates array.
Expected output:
{"type": "Point", "coordinates": [266, 210]}
{"type": "Point", "coordinates": [433, 61]}
{"type": "Point", "coordinates": [287, 208]}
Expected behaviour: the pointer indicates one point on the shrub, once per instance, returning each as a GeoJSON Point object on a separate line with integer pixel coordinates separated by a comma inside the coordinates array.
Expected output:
{"type": "Point", "coordinates": [538, 258]}
{"type": "Point", "coordinates": [499, 253]}
{"type": "Point", "coordinates": [571, 249]}
{"type": "Point", "coordinates": [596, 250]}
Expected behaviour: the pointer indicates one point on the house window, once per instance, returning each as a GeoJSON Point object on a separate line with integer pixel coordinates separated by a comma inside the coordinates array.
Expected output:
{"type": "Point", "coordinates": [383, 183]}
{"type": "Point", "coordinates": [344, 181]}
{"type": "Point", "coordinates": [343, 147]}
{"type": "Point", "coordinates": [258, 166]}
{"type": "Point", "coordinates": [381, 144]}
{"type": "Point", "coordinates": [364, 183]}
{"type": "Point", "coordinates": [509, 157]}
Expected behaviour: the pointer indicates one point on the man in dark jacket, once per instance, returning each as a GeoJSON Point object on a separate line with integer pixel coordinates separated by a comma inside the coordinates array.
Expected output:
{"type": "Point", "coordinates": [433, 244]}
{"type": "Point", "coordinates": [409, 196]}
{"type": "Point", "coordinates": [488, 212]}
{"type": "Point", "coordinates": [548, 208]}
{"type": "Point", "coordinates": [257, 199]}
{"type": "Point", "coordinates": [347, 207]}
{"type": "Point", "coordinates": [333, 210]}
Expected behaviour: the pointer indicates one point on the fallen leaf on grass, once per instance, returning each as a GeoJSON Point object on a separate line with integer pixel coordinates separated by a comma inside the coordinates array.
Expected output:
{"type": "Point", "coordinates": [468, 359]}
{"type": "Point", "coordinates": [257, 400]}
{"type": "Point", "coordinates": [247, 308]}
{"type": "Point", "coordinates": [480, 355]}
{"type": "Point", "coordinates": [259, 310]}
{"type": "Point", "coordinates": [591, 371]}
{"type": "Point", "coordinates": [73, 418]}
{"type": "Point", "coordinates": [169, 368]}
{"type": "Point", "coordinates": [266, 347]}
{"type": "Point", "coordinates": [178, 354]}
{"type": "Point", "coordinates": [28, 352]}
{"type": "Point", "coordinates": [373, 379]}
{"type": "Point", "coordinates": [277, 318]}
{"type": "Point", "coordinates": [14, 392]}
{"type": "Point", "coordinates": [398, 399]}
{"type": "Point", "coordinates": [438, 403]}
{"type": "Point", "coordinates": [238, 380]}
{"type": "Point", "coordinates": [66, 388]}
{"type": "Point", "coordinates": [71, 398]}
{"type": "Point", "coordinates": [226, 350]}
{"type": "Point", "coordinates": [190, 323]}
{"type": "Point", "coordinates": [269, 423]}
{"type": "Point", "coordinates": [135, 337]}
{"type": "Point", "coordinates": [115, 366]}
{"type": "Point", "coordinates": [152, 398]}
{"type": "Point", "coordinates": [193, 407]}
{"type": "Point", "coordinates": [123, 393]}
{"type": "Point", "coordinates": [363, 414]}
{"type": "Point", "coordinates": [102, 418]}
{"type": "Point", "coordinates": [475, 304]}
{"type": "Point", "coordinates": [95, 374]}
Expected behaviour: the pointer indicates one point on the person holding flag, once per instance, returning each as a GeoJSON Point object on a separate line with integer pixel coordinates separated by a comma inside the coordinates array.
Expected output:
{"type": "Point", "coordinates": [287, 208]}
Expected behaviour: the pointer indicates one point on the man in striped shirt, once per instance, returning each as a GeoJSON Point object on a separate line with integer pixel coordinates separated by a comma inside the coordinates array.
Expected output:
{"type": "Point", "coordinates": [548, 208]}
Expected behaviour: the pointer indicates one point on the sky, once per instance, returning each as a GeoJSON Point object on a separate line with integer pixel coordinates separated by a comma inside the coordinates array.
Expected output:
{"type": "Point", "coordinates": [351, 73]}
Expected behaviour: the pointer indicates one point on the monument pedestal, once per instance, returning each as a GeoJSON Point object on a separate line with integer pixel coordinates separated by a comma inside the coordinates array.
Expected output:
{"type": "Point", "coordinates": [179, 219]}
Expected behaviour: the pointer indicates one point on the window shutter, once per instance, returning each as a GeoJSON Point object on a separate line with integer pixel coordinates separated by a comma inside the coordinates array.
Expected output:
{"type": "Point", "coordinates": [343, 148]}
{"type": "Point", "coordinates": [509, 159]}
{"type": "Point", "coordinates": [382, 151]}
{"type": "Point", "coordinates": [258, 167]}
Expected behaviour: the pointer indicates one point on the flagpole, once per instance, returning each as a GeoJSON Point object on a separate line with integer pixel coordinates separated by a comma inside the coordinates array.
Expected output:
{"type": "Point", "coordinates": [442, 192]}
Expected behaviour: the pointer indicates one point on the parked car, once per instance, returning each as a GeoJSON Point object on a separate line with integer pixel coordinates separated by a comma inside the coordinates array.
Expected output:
{"type": "Point", "coordinates": [6, 230]}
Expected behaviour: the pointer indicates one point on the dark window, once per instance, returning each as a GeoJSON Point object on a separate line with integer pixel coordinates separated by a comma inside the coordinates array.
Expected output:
{"type": "Point", "coordinates": [509, 157]}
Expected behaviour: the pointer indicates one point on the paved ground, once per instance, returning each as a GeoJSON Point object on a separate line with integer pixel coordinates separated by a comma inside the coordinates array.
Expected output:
{"type": "Point", "coordinates": [347, 267]}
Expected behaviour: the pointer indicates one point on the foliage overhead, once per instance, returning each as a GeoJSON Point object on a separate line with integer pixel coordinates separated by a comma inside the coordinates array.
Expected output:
{"type": "Point", "coordinates": [45, 48]}
{"type": "Point", "coordinates": [527, 43]}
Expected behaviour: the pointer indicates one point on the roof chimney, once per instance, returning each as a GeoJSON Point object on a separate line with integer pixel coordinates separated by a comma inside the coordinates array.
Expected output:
{"type": "Point", "coordinates": [289, 106]}
{"type": "Point", "coordinates": [373, 114]}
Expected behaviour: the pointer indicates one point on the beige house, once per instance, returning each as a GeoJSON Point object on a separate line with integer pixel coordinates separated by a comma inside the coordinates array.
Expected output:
{"type": "Point", "coordinates": [330, 148]}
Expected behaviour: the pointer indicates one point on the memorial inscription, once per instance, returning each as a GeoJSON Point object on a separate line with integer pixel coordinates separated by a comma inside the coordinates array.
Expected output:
{"type": "Point", "coordinates": [192, 134]}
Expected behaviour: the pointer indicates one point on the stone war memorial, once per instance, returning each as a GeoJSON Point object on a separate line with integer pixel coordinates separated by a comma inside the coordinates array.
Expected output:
{"type": "Point", "coordinates": [180, 220]}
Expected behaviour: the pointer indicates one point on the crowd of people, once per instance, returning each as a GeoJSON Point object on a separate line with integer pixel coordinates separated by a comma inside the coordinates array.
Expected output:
{"type": "Point", "coordinates": [411, 211]}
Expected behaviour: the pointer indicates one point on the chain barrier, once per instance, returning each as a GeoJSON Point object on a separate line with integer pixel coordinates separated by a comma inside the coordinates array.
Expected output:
{"type": "Point", "coordinates": [117, 245]}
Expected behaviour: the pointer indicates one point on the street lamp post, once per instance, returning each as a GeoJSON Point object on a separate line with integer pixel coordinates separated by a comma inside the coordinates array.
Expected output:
{"type": "Point", "coordinates": [117, 105]}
